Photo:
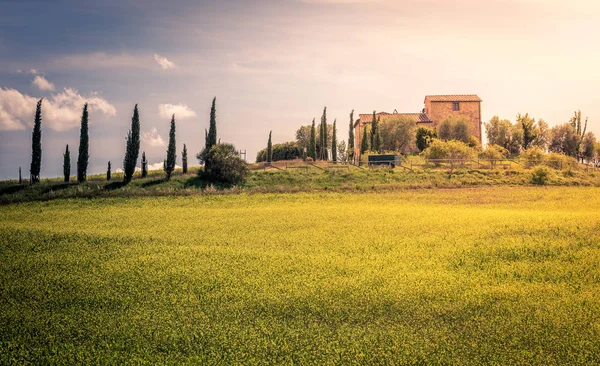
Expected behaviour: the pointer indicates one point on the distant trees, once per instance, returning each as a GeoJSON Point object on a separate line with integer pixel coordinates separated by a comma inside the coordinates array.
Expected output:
{"type": "Point", "coordinates": [108, 171]}
{"type": "Point", "coordinates": [36, 145]}
{"type": "Point", "coordinates": [144, 165]}
{"type": "Point", "coordinates": [133, 146]}
{"type": "Point", "coordinates": [284, 151]}
{"type": "Point", "coordinates": [351, 137]}
{"type": "Point", "coordinates": [398, 134]}
{"type": "Point", "coordinates": [83, 157]}
{"type": "Point", "coordinates": [184, 161]}
{"type": "Point", "coordinates": [588, 147]}
{"type": "Point", "coordinates": [575, 122]}
{"type": "Point", "coordinates": [269, 149]}
{"type": "Point", "coordinates": [312, 149]}
{"type": "Point", "coordinates": [334, 142]}
{"type": "Point", "coordinates": [171, 150]}
{"type": "Point", "coordinates": [343, 152]}
{"type": "Point", "coordinates": [564, 140]}
{"type": "Point", "coordinates": [375, 134]}
{"type": "Point", "coordinates": [323, 141]}
{"type": "Point", "coordinates": [303, 138]}
{"type": "Point", "coordinates": [454, 128]}
{"type": "Point", "coordinates": [67, 164]}
{"type": "Point", "coordinates": [20, 176]}
{"type": "Point", "coordinates": [424, 136]}
{"type": "Point", "coordinates": [530, 131]}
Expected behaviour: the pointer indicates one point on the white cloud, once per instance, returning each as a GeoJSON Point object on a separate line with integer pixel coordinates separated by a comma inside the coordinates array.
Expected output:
{"type": "Point", "coordinates": [163, 62]}
{"type": "Point", "coordinates": [60, 111]}
{"type": "Point", "coordinates": [33, 71]}
{"type": "Point", "coordinates": [41, 83]}
{"type": "Point", "coordinates": [159, 166]}
{"type": "Point", "coordinates": [101, 60]}
{"type": "Point", "coordinates": [152, 138]}
{"type": "Point", "coordinates": [181, 111]}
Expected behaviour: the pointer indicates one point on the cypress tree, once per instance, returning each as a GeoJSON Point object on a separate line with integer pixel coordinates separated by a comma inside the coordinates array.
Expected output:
{"type": "Point", "coordinates": [377, 139]}
{"type": "Point", "coordinates": [132, 150]}
{"type": "Point", "coordinates": [325, 155]}
{"type": "Point", "coordinates": [20, 176]}
{"type": "Point", "coordinates": [108, 172]}
{"type": "Point", "coordinates": [171, 157]}
{"type": "Point", "coordinates": [184, 159]}
{"type": "Point", "coordinates": [351, 137]}
{"type": "Point", "coordinates": [364, 141]}
{"type": "Point", "coordinates": [212, 129]}
{"type": "Point", "coordinates": [374, 129]}
{"type": "Point", "coordinates": [36, 145]}
{"type": "Point", "coordinates": [144, 165]}
{"type": "Point", "coordinates": [82, 159]}
{"type": "Point", "coordinates": [269, 149]}
{"type": "Point", "coordinates": [334, 142]}
{"type": "Point", "coordinates": [67, 164]}
{"type": "Point", "coordinates": [312, 147]}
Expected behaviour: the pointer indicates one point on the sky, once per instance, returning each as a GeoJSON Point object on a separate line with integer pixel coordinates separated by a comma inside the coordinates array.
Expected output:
{"type": "Point", "coordinates": [274, 65]}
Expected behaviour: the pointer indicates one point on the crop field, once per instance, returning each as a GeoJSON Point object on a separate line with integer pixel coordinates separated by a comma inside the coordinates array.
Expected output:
{"type": "Point", "coordinates": [489, 275]}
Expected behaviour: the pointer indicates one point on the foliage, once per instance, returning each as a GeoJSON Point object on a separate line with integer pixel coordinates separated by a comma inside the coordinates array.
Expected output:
{"type": "Point", "coordinates": [540, 175]}
{"type": "Point", "coordinates": [503, 133]}
{"type": "Point", "coordinates": [303, 137]}
{"type": "Point", "coordinates": [171, 150]}
{"type": "Point", "coordinates": [211, 137]}
{"type": "Point", "coordinates": [67, 164]}
{"type": "Point", "coordinates": [108, 171]}
{"type": "Point", "coordinates": [424, 136]}
{"type": "Point", "coordinates": [351, 137]}
{"type": "Point", "coordinates": [226, 165]}
{"type": "Point", "coordinates": [495, 276]}
{"type": "Point", "coordinates": [184, 161]}
{"type": "Point", "coordinates": [454, 128]}
{"type": "Point", "coordinates": [533, 156]}
{"type": "Point", "coordinates": [588, 151]}
{"type": "Point", "coordinates": [452, 149]}
{"type": "Point", "coordinates": [559, 161]}
{"type": "Point", "coordinates": [564, 140]}
{"type": "Point", "coordinates": [312, 149]}
{"type": "Point", "coordinates": [376, 134]}
{"type": "Point", "coordinates": [530, 130]}
{"type": "Point", "coordinates": [84, 156]}
{"type": "Point", "coordinates": [364, 141]}
{"type": "Point", "coordinates": [36, 145]}
{"type": "Point", "coordinates": [284, 151]}
{"type": "Point", "coordinates": [144, 165]}
{"type": "Point", "coordinates": [334, 142]}
{"type": "Point", "coordinates": [132, 149]}
{"type": "Point", "coordinates": [398, 134]}
{"type": "Point", "coordinates": [542, 138]}
{"type": "Point", "coordinates": [324, 133]}
{"type": "Point", "coordinates": [575, 122]}
{"type": "Point", "coordinates": [494, 152]}
{"type": "Point", "coordinates": [342, 152]}
{"type": "Point", "coordinates": [269, 149]}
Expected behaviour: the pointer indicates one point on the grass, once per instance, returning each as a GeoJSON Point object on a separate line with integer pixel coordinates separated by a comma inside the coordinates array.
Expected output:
{"type": "Point", "coordinates": [489, 275]}
{"type": "Point", "coordinates": [293, 180]}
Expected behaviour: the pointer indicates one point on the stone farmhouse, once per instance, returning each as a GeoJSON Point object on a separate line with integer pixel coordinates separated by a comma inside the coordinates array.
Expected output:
{"type": "Point", "coordinates": [437, 108]}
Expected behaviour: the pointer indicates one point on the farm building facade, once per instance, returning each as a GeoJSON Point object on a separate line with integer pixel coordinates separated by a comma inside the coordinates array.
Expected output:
{"type": "Point", "coordinates": [437, 108]}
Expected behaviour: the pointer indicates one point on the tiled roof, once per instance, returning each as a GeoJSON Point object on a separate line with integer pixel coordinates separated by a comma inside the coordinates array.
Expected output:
{"type": "Point", "coordinates": [453, 98]}
{"type": "Point", "coordinates": [417, 117]}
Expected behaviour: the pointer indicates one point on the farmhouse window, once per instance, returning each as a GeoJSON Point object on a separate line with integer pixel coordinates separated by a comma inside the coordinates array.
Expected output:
{"type": "Point", "coordinates": [455, 106]}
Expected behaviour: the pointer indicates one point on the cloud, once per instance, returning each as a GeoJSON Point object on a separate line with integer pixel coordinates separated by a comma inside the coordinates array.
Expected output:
{"type": "Point", "coordinates": [33, 71]}
{"type": "Point", "coordinates": [159, 166]}
{"type": "Point", "coordinates": [181, 111]}
{"type": "Point", "coordinates": [152, 138]}
{"type": "Point", "coordinates": [41, 83]}
{"type": "Point", "coordinates": [101, 60]}
{"type": "Point", "coordinates": [163, 62]}
{"type": "Point", "coordinates": [60, 111]}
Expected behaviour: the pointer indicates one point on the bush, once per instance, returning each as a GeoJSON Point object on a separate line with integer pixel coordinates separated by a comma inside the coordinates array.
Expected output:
{"type": "Point", "coordinates": [540, 175]}
{"type": "Point", "coordinates": [424, 137]}
{"type": "Point", "coordinates": [284, 151]}
{"type": "Point", "coordinates": [225, 164]}
{"type": "Point", "coordinates": [559, 161]}
{"type": "Point", "coordinates": [495, 152]}
{"type": "Point", "coordinates": [448, 150]}
{"type": "Point", "coordinates": [533, 156]}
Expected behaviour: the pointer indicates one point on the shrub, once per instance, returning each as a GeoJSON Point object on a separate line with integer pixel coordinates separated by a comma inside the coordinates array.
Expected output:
{"type": "Point", "coordinates": [495, 152]}
{"type": "Point", "coordinates": [424, 137]}
{"type": "Point", "coordinates": [559, 161]}
{"type": "Point", "coordinates": [284, 151]}
{"type": "Point", "coordinates": [533, 156]}
{"type": "Point", "coordinates": [448, 150]}
{"type": "Point", "coordinates": [226, 165]}
{"type": "Point", "coordinates": [540, 175]}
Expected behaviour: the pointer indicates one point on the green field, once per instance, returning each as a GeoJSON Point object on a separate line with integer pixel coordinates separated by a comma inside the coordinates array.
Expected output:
{"type": "Point", "coordinates": [497, 275]}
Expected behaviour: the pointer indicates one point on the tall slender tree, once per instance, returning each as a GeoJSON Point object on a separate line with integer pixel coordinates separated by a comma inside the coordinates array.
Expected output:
{"type": "Point", "coordinates": [108, 171]}
{"type": "Point", "coordinates": [212, 129]}
{"type": "Point", "coordinates": [83, 157]}
{"type": "Point", "coordinates": [324, 151]}
{"type": "Point", "coordinates": [20, 176]}
{"type": "Point", "coordinates": [377, 139]}
{"type": "Point", "coordinates": [334, 142]}
{"type": "Point", "coordinates": [184, 159]}
{"type": "Point", "coordinates": [351, 137]}
{"type": "Point", "coordinates": [144, 165]}
{"type": "Point", "coordinates": [132, 150]}
{"type": "Point", "coordinates": [364, 141]}
{"type": "Point", "coordinates": [67, 164]}
{"type": "Point", "coordinates": [374, 130]}
{"type": "Point", "coordinates": [312, 146]}
{"type": "Point", "coordinates": [36, 145]}
{"type": "Point", "coordinates": [171, 150]}
{"type": "Point", "coordinates": [269, 149]}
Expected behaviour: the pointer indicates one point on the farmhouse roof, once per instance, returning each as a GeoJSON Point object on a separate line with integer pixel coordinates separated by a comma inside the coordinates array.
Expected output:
{"type": "Point", "coordinates": [453, 98]}
{"type": "Point", "coordinates": [417, 117]}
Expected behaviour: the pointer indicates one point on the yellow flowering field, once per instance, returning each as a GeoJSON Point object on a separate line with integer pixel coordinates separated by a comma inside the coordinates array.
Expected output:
{"type": "Point", "coordinates": [497, 275]}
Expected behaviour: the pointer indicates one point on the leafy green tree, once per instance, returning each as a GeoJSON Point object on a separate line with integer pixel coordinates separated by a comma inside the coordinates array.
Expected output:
{"type": "Point", "coordinates": [543, 135]}
{"type": "Point", "coordinates": [575, 122]}
{"type": "Point", "coordinates": [364, 141]}
{"type": "Point", "coordinates": [334, 142]}
{"type": "Point", "coordinates": [397, 134]}
{"type": "Point", "coordinates": [564, 140]}
{"type": "Point", "coordinates": [226, 164]}
{"type": "Point", "coordinates": [454, 128]}
{"type": "Point", "coordinates": [376, 137]}
{"type": "Point", "coordinates": [108, 171]}
{"type": "Point", "coordinates": [342, 152]}
{"type": "Point", "coordinates": [269, 149]}
{"type": "Point", "coordinates": [184, 164]}
{"type": "Point", "coordinates": [67, 164]}
{"type": "Point", "coordinates": [171, 151]}
{"type": "Point", "coordinates": [588, 147]}
{"type": "Point", "coordinates": [36, 145]}
{"type": "Point", "coordinates": [312, 149]}
{"type": "Point", "coordinates": [284, 151]}
{"type": "Point", "coordinates": [144, 165]}
{"type": "Point", "coordinates": [424, 136]}
{"type": "Point", "coordinates": [530, 130]}
{"type": "Point", "coordinates": [498, 131]}
{"type": "Point", "coordinates": [83, 157]}
{"type": "Point", "coordinates": [351, 137]}
{"type": "Point", "coordinates": [132, 150]}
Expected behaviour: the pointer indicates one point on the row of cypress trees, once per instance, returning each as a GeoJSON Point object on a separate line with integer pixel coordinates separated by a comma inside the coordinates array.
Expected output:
{"type": "Point", "coordinates": [131, 152]}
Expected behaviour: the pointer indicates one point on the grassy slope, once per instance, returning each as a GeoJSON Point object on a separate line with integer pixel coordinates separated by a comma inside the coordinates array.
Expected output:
{"type": "Point", "coordinates": [488, 275]}
{"type": "Point", "coordinates": [349, 179]}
